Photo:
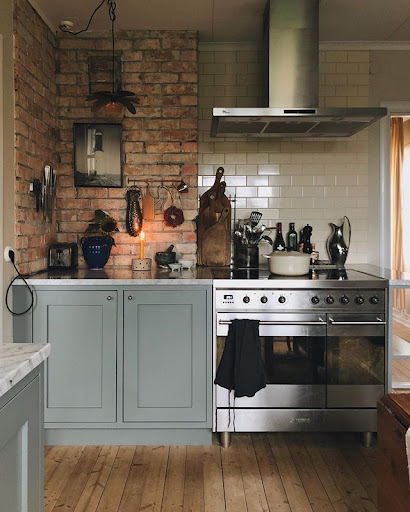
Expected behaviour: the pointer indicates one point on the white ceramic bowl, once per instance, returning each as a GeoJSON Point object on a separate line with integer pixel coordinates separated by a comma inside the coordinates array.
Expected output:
{"type": "Point", "coordinates": [288, 263]}
{"type": "Point", "coordinates": [186, 263]}
{"type": "Point", "coordinates": [175, 266]}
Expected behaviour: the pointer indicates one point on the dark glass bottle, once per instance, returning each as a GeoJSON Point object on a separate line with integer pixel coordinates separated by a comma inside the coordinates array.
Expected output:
{"type": "Point", "coordinates": [292, 238]}
{"type": "Point", "coordinates": [279, 243]}
{"type": "Point", "coordinates": [307, 233]}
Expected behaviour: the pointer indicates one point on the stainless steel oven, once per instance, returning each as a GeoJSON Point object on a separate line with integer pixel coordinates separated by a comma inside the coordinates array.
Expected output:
{"type": "Point", "coordinates": [323, 352]}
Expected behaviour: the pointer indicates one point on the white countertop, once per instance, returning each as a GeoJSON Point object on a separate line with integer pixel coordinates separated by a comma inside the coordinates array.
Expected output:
{"type": "Point", "coordinates": [17, 360]}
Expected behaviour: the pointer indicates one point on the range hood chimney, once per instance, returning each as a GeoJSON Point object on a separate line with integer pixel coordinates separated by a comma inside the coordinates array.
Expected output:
{"type": "Point", "coordinates": [291, 34]}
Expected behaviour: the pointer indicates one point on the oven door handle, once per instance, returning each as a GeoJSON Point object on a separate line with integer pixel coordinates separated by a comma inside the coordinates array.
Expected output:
{"type": "Point", "coordinates": [278, 322]}
{"type": "Point", "coordinates": [379, 321]}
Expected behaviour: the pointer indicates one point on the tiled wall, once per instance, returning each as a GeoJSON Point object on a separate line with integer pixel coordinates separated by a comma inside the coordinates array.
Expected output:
{"type": "Point", "coordinates": [35, 133]}
{"type": "Point", "coordinates": [305, 181]}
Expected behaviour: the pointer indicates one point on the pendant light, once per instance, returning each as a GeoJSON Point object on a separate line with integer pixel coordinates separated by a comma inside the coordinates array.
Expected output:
{"type": "Point", "coordinates": [114, 100]}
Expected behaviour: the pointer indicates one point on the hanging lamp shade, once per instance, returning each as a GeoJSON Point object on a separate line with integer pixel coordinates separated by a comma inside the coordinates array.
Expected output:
{"type": "Point", "coordinates": [113, 101]}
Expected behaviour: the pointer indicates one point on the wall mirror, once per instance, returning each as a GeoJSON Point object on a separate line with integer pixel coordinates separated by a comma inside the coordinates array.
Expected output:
{"type": "Point", "coordinates": [97, 155]}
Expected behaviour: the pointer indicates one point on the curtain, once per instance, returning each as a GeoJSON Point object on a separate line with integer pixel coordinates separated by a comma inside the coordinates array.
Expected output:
{"type": "Point", "coordinates": [396, 165]}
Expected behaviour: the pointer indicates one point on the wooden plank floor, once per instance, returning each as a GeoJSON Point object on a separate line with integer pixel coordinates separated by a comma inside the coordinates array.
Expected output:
{"type": "Point", "coordinates": [276, 472]}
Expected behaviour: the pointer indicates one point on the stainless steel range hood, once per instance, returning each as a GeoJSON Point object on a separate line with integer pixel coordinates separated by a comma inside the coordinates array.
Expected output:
{"type": "Point", "coordinates": [292, 40]}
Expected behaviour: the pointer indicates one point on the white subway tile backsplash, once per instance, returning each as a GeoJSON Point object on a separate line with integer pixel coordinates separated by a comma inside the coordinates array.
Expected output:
{"type": "Point", "coordinates": [303, 180]}
{"type": "Point", "coordinates": [246, 192]}
{"type": "Point", "coordinates": [268, 169]}
{"type": "Point", "coordinates": [257, 202]}
{"type": "Point", "coordinates": [279, 202]}
{"type": "Point", "coordinates": [291, 192]}
{"type": "Point", "coordinates": [257, 181]}
{"type": "Point", "coordinates": [279, 180]}
{"type": "Point", "coordinates": [236, 181]}
{"type": "Point", "coordinates": [235, 158]}
{"type": "Point", "coordinates": [268, 191]}
{"type": "Point", "coordinates": [258, 158]}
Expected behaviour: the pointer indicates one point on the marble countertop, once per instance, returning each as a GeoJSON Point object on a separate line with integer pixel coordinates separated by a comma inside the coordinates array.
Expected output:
{"type": "Point", "coordinates": [195, 276]}
{"type": "Point", "coordinates": [17, 360]}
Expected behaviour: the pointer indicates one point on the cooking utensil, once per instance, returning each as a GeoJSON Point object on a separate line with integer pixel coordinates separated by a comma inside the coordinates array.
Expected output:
{"type": "Point", "coordinates": [164, 258]}
{"type": "Point", "coordinates": [255, 217]}
{"type": "Point", "coordinates": [288, 264]}
{"type": "Point", "coordinates": [148, 205]}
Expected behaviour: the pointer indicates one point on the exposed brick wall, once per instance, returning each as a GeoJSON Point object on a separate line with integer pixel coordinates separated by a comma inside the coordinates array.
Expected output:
{"type": "Point", "coordinates": [35, 134]}
{"type": "Point", "coordinates": [160, 141]}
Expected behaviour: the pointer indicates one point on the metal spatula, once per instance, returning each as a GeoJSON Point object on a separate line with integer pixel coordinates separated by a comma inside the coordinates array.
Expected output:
{"type": "Point", "coordinates": [255, 217]}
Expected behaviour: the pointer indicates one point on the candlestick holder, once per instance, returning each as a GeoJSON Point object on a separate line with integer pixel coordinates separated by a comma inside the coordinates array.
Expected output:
{"type": "Point", "coordinates": [141, 264]}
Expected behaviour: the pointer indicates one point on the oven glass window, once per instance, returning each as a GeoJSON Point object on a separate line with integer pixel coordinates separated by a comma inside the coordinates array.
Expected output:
{"type": "Point", "coordinates": [290, 359]}
{"type": "Point", "coordinates": [355, 360]}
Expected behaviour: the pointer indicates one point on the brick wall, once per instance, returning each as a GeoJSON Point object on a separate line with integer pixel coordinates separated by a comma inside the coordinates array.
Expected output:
{"type": "Point", "coordinates": [159, 142]}
{"type": "Point", "coordinates": [305, 181]}
{"type": "Point", "coordinates": [35, 134]}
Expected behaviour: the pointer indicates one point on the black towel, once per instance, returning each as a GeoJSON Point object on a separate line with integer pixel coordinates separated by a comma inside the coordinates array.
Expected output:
{"type": "Point", "coordinates": [241, 367]}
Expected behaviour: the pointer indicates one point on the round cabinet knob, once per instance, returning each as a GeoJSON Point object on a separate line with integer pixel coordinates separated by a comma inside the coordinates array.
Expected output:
{"type": "Point", "coordinates": [264, 299]}
{"type": "Point", "coordinates": [246, 299]}
{"type": "Point", "coordinates": [344, 299]}
{"type": "Point", "coordinates": [315, 299]}
{"type": "Point", "coordinates": [130, 297]}
{"type": "Point", "coordinates": [282, 299]}
{"type": "Point", "coordinates": [374, 300]}
{"type": "Point", "coordinates": [329, 299]}
{"type": "Point", "coordinates": [109, 297]}
{"type": "Point", "coordinates": [359, 300]}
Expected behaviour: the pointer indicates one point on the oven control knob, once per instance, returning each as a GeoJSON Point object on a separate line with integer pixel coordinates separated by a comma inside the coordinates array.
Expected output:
{"type": "Point", "coordinates": [329, 299]}
{"type": "Point", "coordinates": [315, 299]}
{"type": "Point", "coordinates": [264, 299]}
{"type": "Point", "coordinates": [359, 300]}
{"type": "Point", "coordinates": [246, 299]}
{"type": "Point", "coordinates": [374, 300]}
{"type": "Point", "coordinates": [282, 299]}
{"type": "Point", "coordinates": [344, 299]}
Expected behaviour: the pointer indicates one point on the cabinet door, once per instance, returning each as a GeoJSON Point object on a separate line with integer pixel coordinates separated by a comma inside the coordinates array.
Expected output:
{"type": "Point", "coordinates": [80, 377]}
{"type": "Point", "coordinates": [21, 452]}
{"type": "Point", "coordinates": [165, 356]}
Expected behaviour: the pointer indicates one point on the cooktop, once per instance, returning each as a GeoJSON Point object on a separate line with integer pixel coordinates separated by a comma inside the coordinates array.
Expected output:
{"type": "Point", "coordinates": [315, 274]}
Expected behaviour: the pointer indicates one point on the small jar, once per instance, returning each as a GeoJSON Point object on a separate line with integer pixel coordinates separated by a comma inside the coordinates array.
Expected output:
{"type": "Point", "coordinates": [246, 256]}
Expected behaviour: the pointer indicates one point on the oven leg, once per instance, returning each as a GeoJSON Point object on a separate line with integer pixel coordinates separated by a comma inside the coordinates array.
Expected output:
{"type": "Point", "coordinates": [225, 439]}
{"type": "Point", "coordinates": [367, 439]}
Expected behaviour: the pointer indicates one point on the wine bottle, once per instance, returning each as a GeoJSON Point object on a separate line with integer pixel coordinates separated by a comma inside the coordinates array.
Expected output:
{"type": "Point", "coordinates": [292, 238]}
{"type": "Point", "coordinates": [279, 243]}
{"type": "Point", "coordinates": [307, 233]}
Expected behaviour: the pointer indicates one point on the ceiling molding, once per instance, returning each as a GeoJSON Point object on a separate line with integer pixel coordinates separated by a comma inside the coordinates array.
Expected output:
{"type": "Point", "coordinates": [43, 16]}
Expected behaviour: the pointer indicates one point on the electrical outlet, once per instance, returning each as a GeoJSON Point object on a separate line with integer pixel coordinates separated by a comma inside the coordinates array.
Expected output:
{"type": "Point", "coordinates": [7, 251]}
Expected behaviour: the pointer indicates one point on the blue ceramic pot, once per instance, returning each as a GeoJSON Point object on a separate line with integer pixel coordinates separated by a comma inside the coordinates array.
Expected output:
{"type": "Point", "coordinates": [96, 250]}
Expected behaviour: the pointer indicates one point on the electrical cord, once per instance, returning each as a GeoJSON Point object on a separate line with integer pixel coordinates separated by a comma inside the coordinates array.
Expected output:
{"type": "Point", "coordinates": [18, 276]}
{"type": "Point", "coordinates": [63, 29]}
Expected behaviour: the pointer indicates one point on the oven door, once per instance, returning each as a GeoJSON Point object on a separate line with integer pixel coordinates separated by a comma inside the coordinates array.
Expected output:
{"type": "Point", "coordinates": [355, 360]}
{"type": "Point", "coordinates": [293, 353]}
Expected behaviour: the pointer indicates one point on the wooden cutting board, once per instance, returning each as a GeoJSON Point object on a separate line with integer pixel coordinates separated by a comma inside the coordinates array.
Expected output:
{"type": "Point", "coordinates": [204, 199]}
{"type": "Point", "coordinates": [215, 243]}
{"type": "Point", "coordinates": [206, 218]}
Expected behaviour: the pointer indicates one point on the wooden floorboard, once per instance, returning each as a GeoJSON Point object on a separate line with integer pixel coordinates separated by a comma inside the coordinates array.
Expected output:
{"type": "Point", "coordinates": [275, 472]}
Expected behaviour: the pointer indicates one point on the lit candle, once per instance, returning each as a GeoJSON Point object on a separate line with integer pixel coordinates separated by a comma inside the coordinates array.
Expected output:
{"type": "Point", "coordinates": [142, 240]}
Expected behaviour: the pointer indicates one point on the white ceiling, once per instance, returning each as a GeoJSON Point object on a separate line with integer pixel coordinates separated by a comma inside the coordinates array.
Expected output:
{"type": "Point", "coordinates": [236, 20]}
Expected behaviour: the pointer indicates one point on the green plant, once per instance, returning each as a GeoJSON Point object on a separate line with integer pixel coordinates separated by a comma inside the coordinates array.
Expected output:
{"type": "Point", "coordinates": [102, 223]}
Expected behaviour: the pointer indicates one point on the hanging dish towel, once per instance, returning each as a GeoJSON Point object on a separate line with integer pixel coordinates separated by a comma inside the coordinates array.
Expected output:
{"type": "Point", "coordinates": [241, 367]}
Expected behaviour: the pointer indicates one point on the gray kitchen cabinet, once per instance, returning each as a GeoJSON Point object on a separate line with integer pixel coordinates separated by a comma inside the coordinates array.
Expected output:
{"type": "Point", "coordinates": [21, 446]}
{"type": "Point", "coordinates": [80, 375]}
{"type": "Point", "coordinates": [165, 356]}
